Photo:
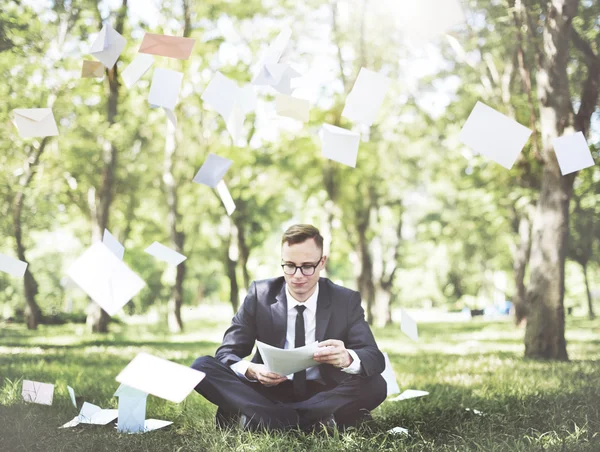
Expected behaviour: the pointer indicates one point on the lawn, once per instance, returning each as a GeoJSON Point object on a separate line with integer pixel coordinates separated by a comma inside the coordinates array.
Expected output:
{"type": "Point", "coordinates": [525, 405]}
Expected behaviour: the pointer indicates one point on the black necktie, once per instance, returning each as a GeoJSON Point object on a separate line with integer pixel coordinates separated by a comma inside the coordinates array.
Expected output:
{"type": "Point", "coordinates": [300, 377]}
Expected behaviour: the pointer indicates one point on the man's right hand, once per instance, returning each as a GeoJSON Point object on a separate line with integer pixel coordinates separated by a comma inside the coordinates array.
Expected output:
{"type": "Point", "coordinates": [259, 372]}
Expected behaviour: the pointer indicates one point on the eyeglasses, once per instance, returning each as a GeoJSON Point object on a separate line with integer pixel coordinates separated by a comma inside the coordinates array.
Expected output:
{"type": "Point", "coordinates": [305, 269]}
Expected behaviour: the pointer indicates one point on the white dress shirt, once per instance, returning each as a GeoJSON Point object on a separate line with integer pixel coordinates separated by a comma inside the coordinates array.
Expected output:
{"type": "Point", "coordinates": [310, 326]}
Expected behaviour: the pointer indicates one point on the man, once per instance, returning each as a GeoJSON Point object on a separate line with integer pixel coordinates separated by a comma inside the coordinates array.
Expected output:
{"type": "Point", "coordinates": [288, 312]}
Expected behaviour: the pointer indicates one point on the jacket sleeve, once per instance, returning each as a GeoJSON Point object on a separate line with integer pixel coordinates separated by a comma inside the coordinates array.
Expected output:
{"type": "Point", "coordinates": [361, 340]}
{"type": "Point", "coordinates": [239, 338]}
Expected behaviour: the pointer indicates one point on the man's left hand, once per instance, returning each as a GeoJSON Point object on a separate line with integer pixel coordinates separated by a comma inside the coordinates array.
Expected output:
{"type": "Point", "coordinates": [335, 354]}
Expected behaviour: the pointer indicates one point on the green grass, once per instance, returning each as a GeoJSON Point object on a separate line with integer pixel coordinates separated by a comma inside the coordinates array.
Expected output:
{"type": "Point", "coordinates": [526, 405]}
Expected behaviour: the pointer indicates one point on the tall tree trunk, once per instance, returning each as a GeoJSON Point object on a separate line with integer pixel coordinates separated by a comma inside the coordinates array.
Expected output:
{"type": "Point", "coordinates": [244, 252]}
{"type": "Point", "coordinates": [231, 267]}
{"type": "Point", "coordinates": [588, 292]}
{"type": "Point", "coordinates": [520, 259]}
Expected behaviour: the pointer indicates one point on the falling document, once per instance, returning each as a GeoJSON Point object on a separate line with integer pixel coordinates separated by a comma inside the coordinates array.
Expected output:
{"type": "Point", "coordinates": [288, 361]}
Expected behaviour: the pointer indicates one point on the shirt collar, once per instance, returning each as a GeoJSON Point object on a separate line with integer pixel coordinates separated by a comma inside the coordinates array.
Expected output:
{"type": "Point", "coordinates": [311, 303]}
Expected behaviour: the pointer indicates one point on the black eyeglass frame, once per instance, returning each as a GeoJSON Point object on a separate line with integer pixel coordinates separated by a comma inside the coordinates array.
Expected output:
{"type": "Point", "coordinates": [296, 267]}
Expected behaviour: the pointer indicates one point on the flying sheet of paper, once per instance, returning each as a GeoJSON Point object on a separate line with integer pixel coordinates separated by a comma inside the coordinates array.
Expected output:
{"type": "Point", "coordinates": [132, 410]}
{"type": "Point", "coordinates": [212, 170]}
{"type": "Point", "coordinates": [226, 198]}
{"type": "Point", "coordinates": [36, 392]}
{"type": "Point", "coordinates": [426, 19]}
{"type": "Point", "coordinates": [365, 99]}
{"type": "Point", "coordinates": [165, 254]}
{"type": "Point", "coordinates": [398, 431]}
{"type": "Point", "coordinates": [164, 90]}
{"type": "Point", "coordinates": [113, 244]}
{"type": "Point", "coordinates": [573, 153]}
{"type": "Point", "coordinates": [292, 107]}
{"type": "Point", "coordinates": [12, 266]}
{"type": "Point", "coordinates": [409, 394]}
{"type": "Point", "coordinates": [35, 122]}
{"type": "Point", "coordinates": [285, 84]}
{"type": "Point", "coordinates": [269, 72]}
{"type": "Point", "coordinates": [159, 377]}
{"type": "Point", "coordinates": [72, 396]}
{"type": "Point", "coordinates": [408, 325]}
{"type": "Point", "coordinates": [92, 69]}
{"type": "Point", "coordinates": [137, 68]}
{"type": "Point", "coordinates": [92, 414]}
{"type": "Point", "coordinates": [108, 46]}
{"type": "Point", "coordinates": [340, 145]}
{"type": "Point", "coordinates": [167, 46]}
{"type": "Point", "coordinates": [390, 377]}
{"type": "Point", "coordinates": [287, 361]}
{"type": "Point", "coordinates": [105, 278]}
{"type": "Point", "coordinates": [494, 135]}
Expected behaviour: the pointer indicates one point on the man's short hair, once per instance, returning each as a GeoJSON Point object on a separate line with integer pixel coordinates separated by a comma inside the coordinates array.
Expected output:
{"type": "Point", "coordinates": [300, 233]}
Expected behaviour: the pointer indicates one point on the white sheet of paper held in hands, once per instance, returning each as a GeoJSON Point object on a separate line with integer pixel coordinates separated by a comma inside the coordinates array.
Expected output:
{"type": "Point", "coordinates": [108, 46]}
{"type": "Point", "coordinates": [35, 122]}
{"type": "Point", "coordinates": [494, 135]}
{"type": "Point", "coordinates": [106, 279]}
{"type": "Point", "coordinates": [113, 244]}
{"type": "Point", "coordinates": [12, 266]}
{"type": "Point", "coordinates": [408, 325]}
{"type": "Point", "coordinates": [288, 361]}
{"type": "Point", "coordinates": [165, 254]}
{"type": "Point", "coordinates": [212, 170]}
{"type": "Point", "coordinates": [409, 394]}
{"type": "Point", "coordinates": [92, 414]}
{"type": "Point", "coordinates": [390, 377]}
{"type": "Point", "coordinates": [292, 107]}
{"type": "Point", "coordinates": [573, 153]}
{"type": "Point", "coordinates": [365, 99]}
{"type": "Point", "coordinates": [424, 20]}
{"type": "Point", "coordinates": [160, 377]}
{"type": "Point", "coordinates": [36, 392]}
{"type": "Point", "coordinates": [164, 91]}
{"type": "Point", "coordinates": [340, 145]}
{"type": "Point", "coordinates": [137, 68]}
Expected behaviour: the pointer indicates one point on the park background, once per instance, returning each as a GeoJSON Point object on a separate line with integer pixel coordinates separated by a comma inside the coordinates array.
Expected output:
{"type": "Point", "coordinates": [421, 222]}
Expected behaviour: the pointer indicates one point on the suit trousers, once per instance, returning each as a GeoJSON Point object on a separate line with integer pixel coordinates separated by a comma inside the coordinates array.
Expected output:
{"type": "Point", "coordinates": [275, 408]}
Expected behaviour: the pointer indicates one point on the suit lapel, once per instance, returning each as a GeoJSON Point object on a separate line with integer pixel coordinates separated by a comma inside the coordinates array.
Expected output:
{"type": "Point", "coordinates": [279, 318]}
{"type": "Point", "coordinates": [324, 309]}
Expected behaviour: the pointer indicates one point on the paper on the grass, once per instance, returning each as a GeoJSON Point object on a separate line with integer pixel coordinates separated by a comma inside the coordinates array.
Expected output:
{"type": "Point", "coordinates": [113, 244]}
{"type": "Point", "coordinates": [340, 145]}
{"type": "Point", "coordinates": [167, 46]}
{"type": "Point", "coordinates": [226, 198]}
{"type": "Point", "coordinates": [572, 153]}
{"type": "Point", "coordinates": [165, 254]}
{"type": "Point", "coordinates": [288, 361]}
{"type": "Point", "coordinates": [474, 411]}
{"type": "Point", "coordinates": [292, 107]}
{"type": "Point", "coordinates": [132, 409]}
{"type": "Point", "coordinates": [269, 71]}
{"type": "Point", "coordinates": [365, 99]}
{"type": "Point", "coordinates": [424, 20]}
{"type": "Point", "coordinates": [212, 170]}
{"type": "Point", "coordinates": [155, 424]}
{"type": "Point", "coordinates": [159, 377]}
{"type": "Point", "coordinates": [35, 122]}
{"type": "Point", "coordinates": [92, 69]}
{"type": "Point", "coordinates": [12, 266]}
{"type": "Point", "coordinates": [390, 377]}
{"type": "Point", "coordinates": [92, 414]}
{"type": "Point", "coordinates": [36, 392]}
{"type": "Point", "coordinates": [398, 431]}
{"type": "Point", "coordinates": [106, 279]}
{"type": "Point", "coordinates": [409, 394]}
{"type": "Point", "coordinates": [72, 396]}
{"type": "Point", "coordinates": [108, 46]}
{"type": "Point", "coordinates": [408, 325]}
{"type": "Point", "coordinates": [494, 135]}
{"type": "Point", "coordinates": [136, 69]}
{"type": "Point", "coordinates": [164, 90]}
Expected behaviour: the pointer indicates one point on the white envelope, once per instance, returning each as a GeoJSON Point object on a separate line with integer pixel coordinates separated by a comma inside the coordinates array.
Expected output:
{"type": "Point", "coordinates": [390, 377]}
{"type": "Point", "coordinates": [108, 46]}
{"type": "Point", "coordinates": [365, 99]}
{"type": "Point", "coordinates": [398, 431]}
{"type": "Point", "coordinates": [268, 72]}
{"type": "Point", "coordinates": [12, 266]}
{"type": "Point", "coordinates": [155, 424]}
{"type": "Point", "coordinates": [285, 84]}
{"type": "Point", "coordinates": [340, 145]}
{"type": "Point", "coordinates": [572, 153]}
{"type": "Point", "coordinates": [287, 361]}
{"type": "Point", "coordinates": [137, 68]}
{"type": "Point", "coordinates": [212, 170]}
{"type": "Point", "coordinates": [165, 254]}
{"type": "Point", "coordinates": [35, 122]}
{"type": "Point", "coordinates": [106, 279]}
{"type": "Point", "coordinates": [292, 107]}
{"type": "Point", "coordinates": [494, 135]}
{"type": "Point", "coordinates": [408, 325]}
{"type": "Point", "coordinates": [113, 244]}
{"type": "Point", "coordinates": [409, 394]}
{"type": "Point", "coordinates": [132, 410]}
{"type": "Point", "coordinates": [159, 377]}
{"type": "Point", "coordinates": [164, 90]}
{"type": "Point", "coordinates": [92, 414]}
{"type": "Point", "coordinates": [36, 392]}
{"type": "Point", "coordinates": [72, 396]}
{"type": "Point", "coordinates": [226, 198]}
{"type": "Point", "coordinates": [424, 20]}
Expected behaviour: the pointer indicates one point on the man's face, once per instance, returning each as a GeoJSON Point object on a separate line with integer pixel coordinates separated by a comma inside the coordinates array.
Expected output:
{"type": "Point", "coordinates": [305, 254]}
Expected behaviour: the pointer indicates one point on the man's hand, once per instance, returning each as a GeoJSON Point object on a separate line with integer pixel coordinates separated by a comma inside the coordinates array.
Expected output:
{"type": "Point", "coordinates": [259, 372]}
{"type": "Point", "coordinates": [334, 352]}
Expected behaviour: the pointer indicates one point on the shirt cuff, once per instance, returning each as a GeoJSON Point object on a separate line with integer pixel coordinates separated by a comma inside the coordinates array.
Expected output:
{"type": "Point", "coordinates": [240, 369]}
{"type": "Point", "coordinates": [353, 368]}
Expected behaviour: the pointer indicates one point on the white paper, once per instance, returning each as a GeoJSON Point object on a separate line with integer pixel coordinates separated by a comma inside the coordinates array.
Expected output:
{"type": "Point", "coordinates": [340, 145]}
{"type": "Point", "coordinates": [409, 394]}
{"type": "Point", "coordinates": [365, 99]}
{"type": "Point", "coordinates": [35, 122]}
{"type": "Point", "coordinates": [572, 153]}
{"type": "Point", "coordinates": [292, 107]}
{"type": "Point", "coordinates": [92, 414]}
{"type": "Point", "coordinates": [212, 170]}
{"type": "Point", "coordinates": [424, 20]}
{"type": "Point", "coordinates": [398, 431]}
{"type": "Point", "coordinates": [165, 254]}
{"type": "Point", "coordinates": [269, 72]}
{"type": "Point", "coordinates": [408, 325]}
{"type": "Point", "coordinates": [106, 279]}
{"type": "Point", "coordinates": [494, 135]}
{"type": "Point", "coordinates": [113, 244]}
{"type": "Point", "coordinates": [159, 377]}
{"type": "Point", "coordinates": [36, 392]}
{"type": "Point", "coordinates": [108, 46]}
{"type": "Point", "coordinates": [132, 410]}
{"type": "Point", "coordinates": [474, 411]}
{"type": "Point", "coordinates": [155, 424]}
{"type": "Point", "coordinates": [164, 90]}
{"type": "Point", "coordinates": [72, 396]}
{"type": "Point", "coordinates": [285, 84]}
{"type": "Point", "coordinates": [390, 377]}
{"type": "Point", "coordinates": [137, 68]}
{"type": "Point", "coordinates": [226, 198]}
{"type": "Point", "coordinates": [288, 361]}
{"type": "Point", "coordinates": [12, 266]}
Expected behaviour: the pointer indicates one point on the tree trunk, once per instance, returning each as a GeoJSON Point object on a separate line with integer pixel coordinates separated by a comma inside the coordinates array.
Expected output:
{"type": "Point", "coordinates": [520, 259]}
{"type": "Point", "coordinates": [231, 264]}
{"type": "Point", "coordinates": [591, 313]}
{"type": "Point", "coordinates": [244, 253]}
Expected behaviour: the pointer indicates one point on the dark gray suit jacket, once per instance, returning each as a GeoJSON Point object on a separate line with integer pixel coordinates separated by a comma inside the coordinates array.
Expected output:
{"type": "Point", "coordinates": [263, 316]}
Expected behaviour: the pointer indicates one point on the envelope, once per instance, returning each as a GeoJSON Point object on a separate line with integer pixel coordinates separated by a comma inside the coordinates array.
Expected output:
{"type": "Point", "coordinates": [136, 69]}
{"type": "Point", "coordinates": [36, 392]}
{"type": "Point", "coordinates": [92, 69]}
{"type": "Point", "coordinates": [292, 107]}
{"type": "Point", "coordinates": [108, 46]}
{"type": "Point", "coordinates": [35, 122]}
{"type": "Point", "coordinates": [165, 254]}
{"type": "Point", "coordinates": [573, 153]}
{"type": "Point", "coordinates": [212, 170]}
{"type": "Point", "coordinates": [340, 145]}
{"type": "Point", "coordinates": [365, 99]}
{"type": "Point", "coordinates": [268, 72]}
{"type": "Point", "coordinates": [132, 410]}
{"type": "Point", "coordinates": [113, 244]}
{"type": "Point", "coordinates": [12, 266]}
{"type": "Point", "coordinates": [226, 198]}
{"type": "Point", "coordinates": [164, 91]}
{"type": "Point", "coordinates": [168, 46]}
